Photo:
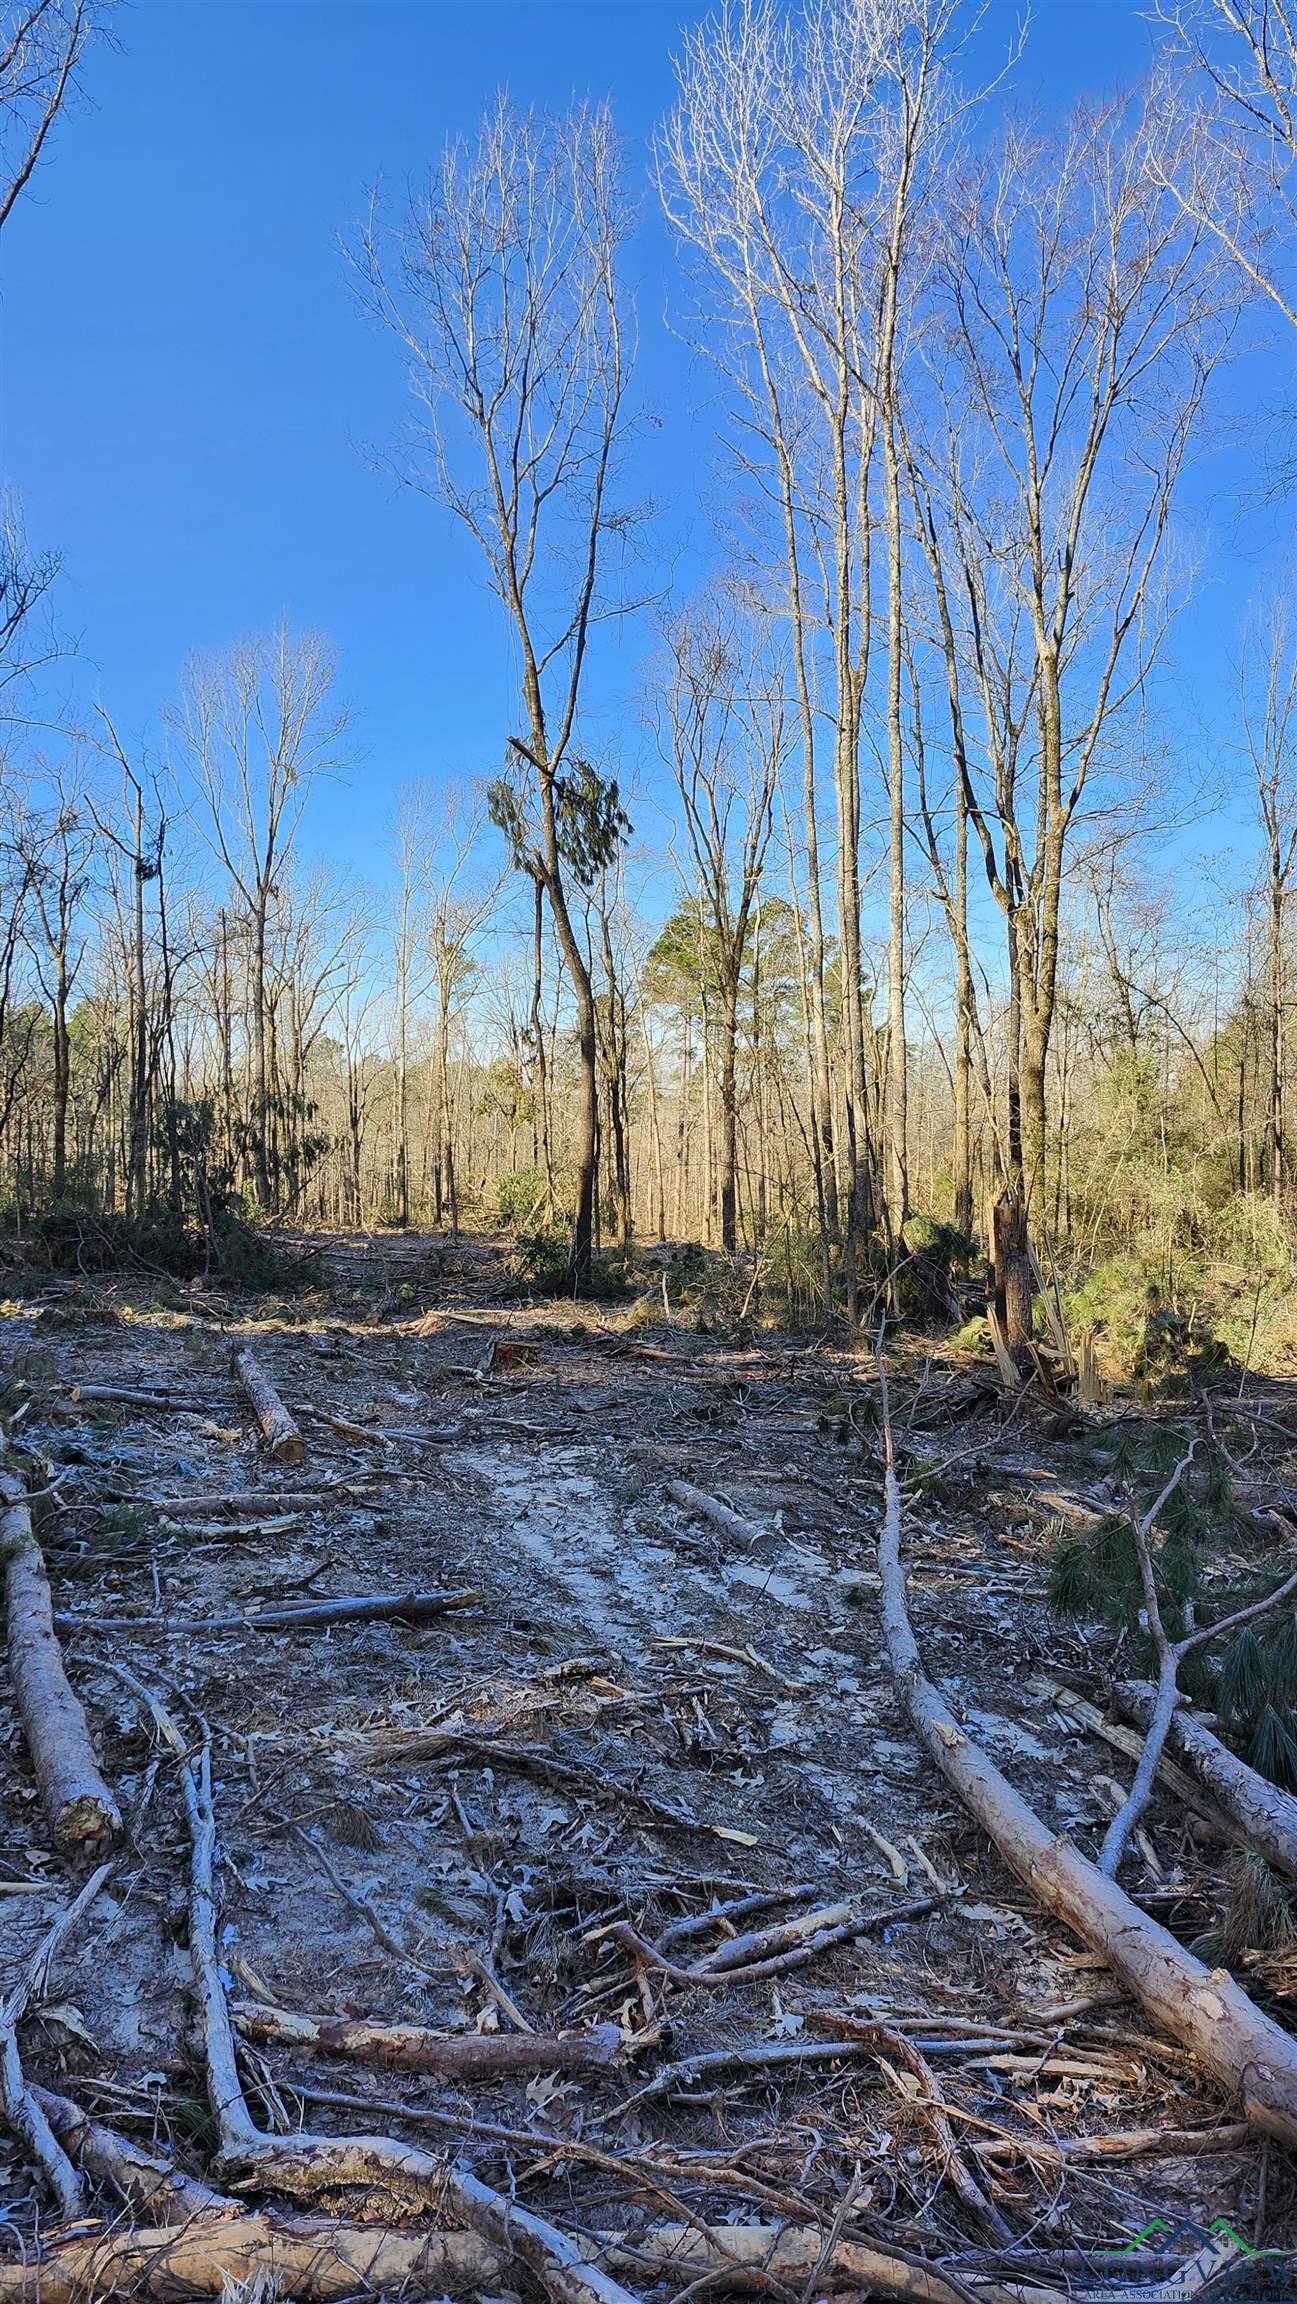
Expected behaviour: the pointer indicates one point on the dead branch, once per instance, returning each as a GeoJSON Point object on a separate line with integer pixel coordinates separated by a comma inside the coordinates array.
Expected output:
{"type": "Point", "coordinates": [281, 1434]}
{"type": "Point", "coordinates": [312, 1616]}
{"type": "Point", "coordinates": [1170, 1656]}
{"type": "Point", "coordinates": [451, 2055]}
{"type": "Point", "coordinates": [884, 2038]}
{"type": "Point", "coordinates": [797, 1942]}
{"type": "Point", "coordinates": [82, 1813]}
{"type": "Point", "coordinates": [1205, 2011]}
{"type": "Point", "coordinates": [142, 2179]}
{"type": "Point", "coordinates": [375, 2167]}
{"type": "Point", "coordinates": [20, 2105]}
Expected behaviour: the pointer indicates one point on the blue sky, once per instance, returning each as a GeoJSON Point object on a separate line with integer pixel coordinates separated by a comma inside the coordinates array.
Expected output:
{"type": "Point", "coordinates": [190, 391]}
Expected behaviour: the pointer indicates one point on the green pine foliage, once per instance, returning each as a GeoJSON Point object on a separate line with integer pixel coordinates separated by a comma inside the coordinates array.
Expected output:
{"type": "Point", "coordinates": [1253, 1683]}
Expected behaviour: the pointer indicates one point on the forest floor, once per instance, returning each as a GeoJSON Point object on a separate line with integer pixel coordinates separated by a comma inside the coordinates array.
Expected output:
{"type": "Point", "coordinates": [643, 1717]}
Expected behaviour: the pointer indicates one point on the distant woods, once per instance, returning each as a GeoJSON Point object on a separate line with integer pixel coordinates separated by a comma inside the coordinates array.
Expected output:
{"type": "Point", "coordinates": [861, 923]}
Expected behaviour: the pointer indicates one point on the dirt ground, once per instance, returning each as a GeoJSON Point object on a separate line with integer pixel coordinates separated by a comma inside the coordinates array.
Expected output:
{"type": "Point", "coordinates": [642, 1717]}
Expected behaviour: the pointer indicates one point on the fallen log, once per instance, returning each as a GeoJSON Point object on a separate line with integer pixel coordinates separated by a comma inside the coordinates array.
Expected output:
{"type": "Point", "coordinates": [321, 2261]}
{"type": "Point", "coordinates": [1266, 1816]}
{"type": "Point", "coordinates": [312, 1616]}
{"type": "Point", "coordinates": [1243, 2050]}
{"type": "Point", "coordinates": [313, 2258]}
{"type": "Point", "coordinates": [83, 1815]}
{"type": "Point", "coordinates": [281, 1434]}
{"type": "Point", "coordinates": [705, 1507]}
{"type": "Point", "coordinates": [450, 2055]}
{"type": "Point", "coordinates": [795, 2256]}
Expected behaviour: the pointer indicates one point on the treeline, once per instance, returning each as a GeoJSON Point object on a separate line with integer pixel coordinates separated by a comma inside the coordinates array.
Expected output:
{"type": "Point", "coordinates": [892, 942]}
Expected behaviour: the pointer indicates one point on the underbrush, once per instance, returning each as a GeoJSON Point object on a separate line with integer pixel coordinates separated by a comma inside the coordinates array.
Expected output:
{"type": "Point", "coordinates": [1250, 1678]}
{"type": "Point", "coordinates": [1206, 1288]}
{"type": "Point", "coordinates": [76, 1241]}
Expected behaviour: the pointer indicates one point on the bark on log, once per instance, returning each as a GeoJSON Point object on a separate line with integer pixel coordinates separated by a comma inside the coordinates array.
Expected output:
{"type": "Point", "coordinates": [312, 1616]}
{"type": "Point", "coordinates": [83, 1815]}
{"type": "Point", "coordinates": [1266, 1816]}
{"type": "Point", "coordinates": [280, 1433]}
{"type": "Point", "coordinates": [1246, 2053]}
{"type": "Point", "coordinates": [321, 2261]}
{"type": "Point", "coordinates": [312, 2258]}
{"type": "Point", "coordinates": [450, 2055]}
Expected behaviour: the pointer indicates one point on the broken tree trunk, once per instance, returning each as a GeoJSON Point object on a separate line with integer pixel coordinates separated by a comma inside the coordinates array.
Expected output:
{"type": "Point", "coordinates": [280, 1433]}
{"type": "Point", "coordinates": [451, 2055]}
{"type": "Point", "coordinates": [83, 1815]}
{"type": "Point", "coordinates": [1011, 1263]}
{"type": "Point", "coordinates": [1204, 2010]}
{"type": "Point", "coordinates": [1266, 1816]}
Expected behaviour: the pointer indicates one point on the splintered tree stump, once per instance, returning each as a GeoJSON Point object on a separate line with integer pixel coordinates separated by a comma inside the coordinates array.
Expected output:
{"type": "Point", "coordinates": [279, 1432]}
{"type": "Point", "coordinates": [83, 1815]}
{"type": "Point", "coordinates": [1014, 1289]}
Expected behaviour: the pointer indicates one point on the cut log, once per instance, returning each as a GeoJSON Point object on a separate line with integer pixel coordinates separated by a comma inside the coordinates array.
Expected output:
{"type": "Point", "coordinates": [1266, 1816]}
{"type": "Point", "coordinates": [1242, 2049]}
{"type": "Point", "coordinates": [705, 1507]}
{"type": "Point", "coordinates": [312, 1616]}
{"type": "Point", "coordinates": [83, 1815]}
{"type": "Point", "coordinates": [278, 1430]}
{"type": "Point", "coordinates": [451, 2055]}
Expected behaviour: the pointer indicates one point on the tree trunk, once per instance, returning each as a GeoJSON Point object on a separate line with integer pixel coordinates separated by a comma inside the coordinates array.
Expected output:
{"type": "Point", "coordinates": [729, 1159]}
{"type": "Point", "coordinates": [1012, 1277]}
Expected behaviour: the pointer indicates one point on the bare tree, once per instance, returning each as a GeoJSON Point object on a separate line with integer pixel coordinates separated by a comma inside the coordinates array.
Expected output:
{"type": "Point", "coordinates": [501, 287]}
{"type": "Point", "coordinates": [258, 726]}
{"type": "Point", "coordinates": [1268, 718]}
{"type": "Point", "coordinates": [793, 166]}
{"type": "Point", "coordinates": [1230, 158]}
{"type": "Point", "coordinates": [723, 733]}
{"type": "Point", "coordinates": [42, 46]}
{"type": "Point", "coordinates": [1086, 318]}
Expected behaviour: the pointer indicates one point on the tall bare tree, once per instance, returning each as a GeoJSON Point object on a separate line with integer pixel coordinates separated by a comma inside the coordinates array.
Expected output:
{"type": "Point", "coordinates": [1230, 157]}
{"type": "Point", "coordinates": [1268, 718]}
{"type": "Point", "coordinates": [501, 286]}
{"type": "Point", "coordinates": [258, 726]}
{"type": "Point", "coordinates": [1086, 317]}
{"type": "Point", "coordinates": [792, 167]}
{"type": "Point", "coordinates": [43, 44]}
{"type": "Point", "coordinates": [723, 733]}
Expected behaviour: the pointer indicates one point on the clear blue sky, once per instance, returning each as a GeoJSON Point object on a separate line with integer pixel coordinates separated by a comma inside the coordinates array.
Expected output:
{"type": "Point", "coordinates": [189, 389]}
